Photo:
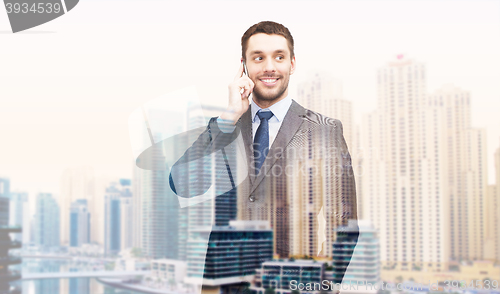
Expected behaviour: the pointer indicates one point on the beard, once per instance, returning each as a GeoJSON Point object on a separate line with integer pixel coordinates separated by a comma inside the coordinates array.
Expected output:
{"type": "Point", "coordinates": [264, 94]}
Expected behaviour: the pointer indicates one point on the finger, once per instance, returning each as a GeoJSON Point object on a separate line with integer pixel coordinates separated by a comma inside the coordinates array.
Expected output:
{"type": "Point", "coordinates": [239, 74]}
{"type": "Point", "coordinates": [252, 84]}
{"type": "Point", "coordinates": [247, 91]}
{"type": "Point", "coordinates": [246, 94]}
{"type": "Point", "coordinates": [245, 80]}
{"type": "Point", "coordinates": [245, 84]}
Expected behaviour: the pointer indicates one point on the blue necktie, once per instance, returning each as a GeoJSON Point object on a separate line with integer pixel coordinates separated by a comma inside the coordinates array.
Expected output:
{"type": "Point", "coordinates": [261, 140]}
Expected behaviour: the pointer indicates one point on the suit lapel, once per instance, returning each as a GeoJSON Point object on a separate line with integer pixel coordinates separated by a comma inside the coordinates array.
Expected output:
{"type": "Point", "coordinates": [290, 125]}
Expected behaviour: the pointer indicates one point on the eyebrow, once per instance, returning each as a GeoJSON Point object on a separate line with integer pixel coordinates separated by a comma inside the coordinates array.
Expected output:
{"type": "Point", "coordinates": [260, 52]}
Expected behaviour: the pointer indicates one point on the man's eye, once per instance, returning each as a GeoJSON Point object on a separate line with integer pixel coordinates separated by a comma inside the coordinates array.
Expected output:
{"type": "Point", "coordinates": [280, 57]}
{"type": "Point", "coordinates": [258, 58]}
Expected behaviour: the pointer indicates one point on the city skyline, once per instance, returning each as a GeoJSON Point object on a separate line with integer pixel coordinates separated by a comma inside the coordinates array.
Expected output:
{"type": "Point", "coordinates": [84, 175]}
{"type": "Point", "coordinates": [457, 47]}
{"type": "Point", "coordinates": [414, 83]}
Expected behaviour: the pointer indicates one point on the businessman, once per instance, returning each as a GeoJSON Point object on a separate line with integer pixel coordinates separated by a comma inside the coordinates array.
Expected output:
{"type": "Point", "coordinates": [297, 169]}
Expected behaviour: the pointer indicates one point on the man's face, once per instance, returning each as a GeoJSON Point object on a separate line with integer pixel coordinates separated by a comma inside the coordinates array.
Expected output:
{"type": "Point", "coordinates": [269, 66]}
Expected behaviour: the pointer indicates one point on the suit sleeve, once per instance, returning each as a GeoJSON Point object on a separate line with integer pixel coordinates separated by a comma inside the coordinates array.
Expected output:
{"type": "Point", "coordinates": [191, 175]}
{"type": "Point", "coordinates": [349, 213]}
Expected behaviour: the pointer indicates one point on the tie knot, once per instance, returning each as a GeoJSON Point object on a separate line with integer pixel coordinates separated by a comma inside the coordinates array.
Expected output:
{"type": "Point", "coordinates": [264, 114]}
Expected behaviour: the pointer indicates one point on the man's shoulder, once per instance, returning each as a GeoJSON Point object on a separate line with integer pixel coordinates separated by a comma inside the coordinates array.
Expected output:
{"type": "Point", "coordinates": [316, 118]}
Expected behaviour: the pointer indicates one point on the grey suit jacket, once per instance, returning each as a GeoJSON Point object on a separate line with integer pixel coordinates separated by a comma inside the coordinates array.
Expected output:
{"type": "Point", "coordinates": [305, 188]}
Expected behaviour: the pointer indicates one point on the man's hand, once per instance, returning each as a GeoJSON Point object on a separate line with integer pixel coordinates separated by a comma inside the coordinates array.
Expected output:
{"type": "Point", "coordinates": [239, 91]}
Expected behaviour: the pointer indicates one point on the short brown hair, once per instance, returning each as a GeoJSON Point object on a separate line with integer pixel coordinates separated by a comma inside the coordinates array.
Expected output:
{"type": "Point", "coordinates": [270, 28]}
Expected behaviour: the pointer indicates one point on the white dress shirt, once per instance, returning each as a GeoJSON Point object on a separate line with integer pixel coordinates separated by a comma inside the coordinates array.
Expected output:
{"type": "Point", "coordinates": [279, 111]}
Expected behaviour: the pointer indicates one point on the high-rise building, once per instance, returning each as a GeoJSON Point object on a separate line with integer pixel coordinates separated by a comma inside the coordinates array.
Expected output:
{"type": "Point", "coordinates": [463, 163]}
{"type": "Point", "coordinates": [6, 244]}
{"type": "Point", "coordinates": [47, 217]}
{"type": "Point", "coordinates": [126, 222]}
{"type": "Point", "coordinates": [159, 205]}
{"type": "Point", "coordinates": [285, 275]}
{"type": "Point", "coordinates": [113, 215]}
{"type": "Point", "coordinates": [492, 225]}
{"type": "Point", "coordinates": [165, 223]}
{"type": "Point", "coordinates": [137, 206]}
{"type": "Point", "coordinates": [221, 208]}
{"type": "Point", "coordinates": [19, 214]}
{"type": "Point", "coordinates": [79, 223]}
{"type": "Point", "coordinates": [79, 183]}
{"type": "Point", "coordinates": [5, 188]}
{"type": "Point", "coordinates": [403, 178]}
{"type": "Point", "coordinates": [497, 230]}
{"type": "Point", "coordinates": [424, 174]}
{"type": "Point", "coordinates": [477, 193]}
{"type": "Point", "coordinates": [220, 255]}
{"type": "Point", "coordinates": [363, 269]}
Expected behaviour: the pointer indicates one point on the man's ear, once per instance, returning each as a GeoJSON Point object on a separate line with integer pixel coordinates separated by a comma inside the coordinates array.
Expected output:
{"type": "Point", "coordinates": [292, 69]}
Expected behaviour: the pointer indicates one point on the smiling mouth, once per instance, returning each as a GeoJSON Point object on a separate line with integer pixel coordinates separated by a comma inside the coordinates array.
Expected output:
{"type": "Point", "coordinates": [269, 81]}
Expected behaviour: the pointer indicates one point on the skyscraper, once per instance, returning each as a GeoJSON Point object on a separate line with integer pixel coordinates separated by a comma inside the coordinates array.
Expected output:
{"type": "Point", "coordinates": [424, 177]}
{"type": "Point", "coordinates": [5, 188]}
{"type": "Point", "coordinates": [492, 225]}
{"type": "Point", "coordinates": [314, 187]}
{"type": "Point", "coordinates": [159, 205]}
{"type": "Point", "coordinates": [221, 207]}
{"type": "Point", "coordinates": [79, 223]}
{"type": "Point", "coordinates": [165, 224]}
{"type": "Point", "coordinates": [137, 206]}
{"type": "Point", "coordinates": [403, 179]}
{"type": "Point", "coordinates": [364, 267]}
{"type": "Point", "coordinates": [6, 243]}
{"type": "Point", "coordinates": [232, 252]}
{"type": "Point", "coordinates": [497, 237]}
{"type": "Point", "coordinates": [126, 221]}
{"type": "Point", "coordinates": [113, 215]}
{"type": "Point", "coordinates": [78, 183]}
{"type": "Point", "coordinates": [19, 214]}
{"type": "Point", "coordinates": [463, 162]}
{"type": "Point", "coordinates": [47, 221]}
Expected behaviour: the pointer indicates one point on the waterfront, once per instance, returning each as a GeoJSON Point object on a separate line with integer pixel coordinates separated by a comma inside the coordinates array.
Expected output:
{"type": "Point", "coordinates": [65, 285]}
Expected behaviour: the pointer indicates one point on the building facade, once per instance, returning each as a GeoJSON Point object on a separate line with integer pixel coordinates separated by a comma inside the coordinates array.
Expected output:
{"type": "Point", "coordinates": [79, 223]}
{"type": "Point", "coordinates": [358, 239]}
{"type": "Point", "coordinates": [424, 174]}
{"type": "Point", "coordinates": [19, 214]}
{"type": "Point", "coordinates": [221, 255]}
{"type": "Point", "coordinates": [286, 275]}
{"type": "Point", "coordinates": [79, 183]}
{"type": "Point", "coordinates": [6, 243]}
{"type": "Point", "coordinates": [47, 216]}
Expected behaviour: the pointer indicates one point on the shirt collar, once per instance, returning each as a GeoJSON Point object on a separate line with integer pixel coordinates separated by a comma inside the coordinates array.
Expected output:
{"type": "Point", "coordinates": [279, 109]}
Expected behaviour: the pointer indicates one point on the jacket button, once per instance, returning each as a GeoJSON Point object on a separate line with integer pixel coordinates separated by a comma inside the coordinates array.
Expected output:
{"type": "Point", "coordinates": [251, 198]}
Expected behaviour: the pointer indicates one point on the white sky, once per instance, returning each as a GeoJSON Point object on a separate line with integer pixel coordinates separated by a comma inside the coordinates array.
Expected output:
{"type": "Point", "coordinates": [67, 87]}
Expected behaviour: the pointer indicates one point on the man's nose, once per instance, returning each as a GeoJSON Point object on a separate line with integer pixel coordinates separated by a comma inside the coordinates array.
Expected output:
{"type": "Point", "coordinates": [269, 65]}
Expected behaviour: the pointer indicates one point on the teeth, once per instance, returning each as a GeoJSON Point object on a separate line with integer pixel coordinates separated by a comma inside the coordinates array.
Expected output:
{"type": "Point", "coordinates": [269, 80]}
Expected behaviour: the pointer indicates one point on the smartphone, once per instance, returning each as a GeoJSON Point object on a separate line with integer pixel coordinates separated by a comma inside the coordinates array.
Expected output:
{"type": "Point", "coordinates": [245, 70]}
